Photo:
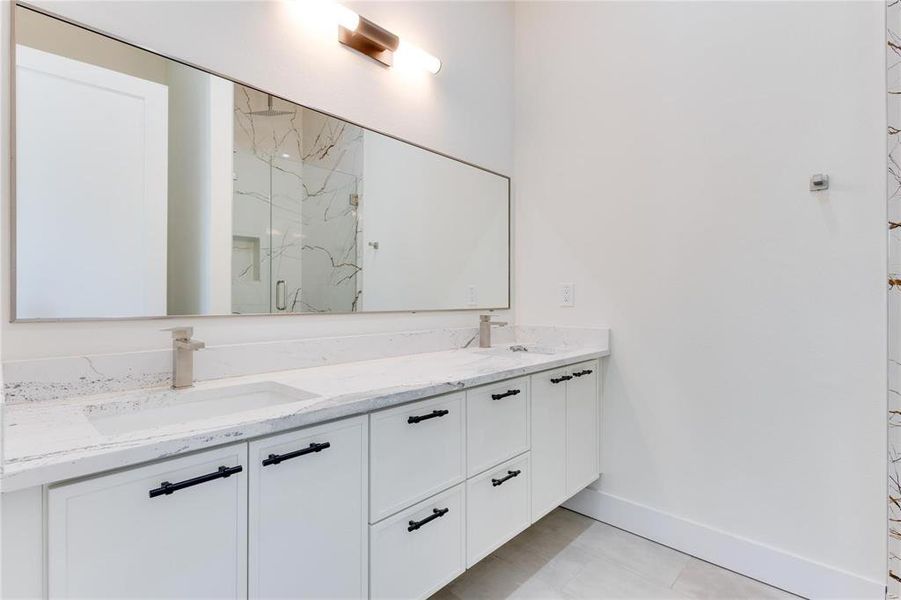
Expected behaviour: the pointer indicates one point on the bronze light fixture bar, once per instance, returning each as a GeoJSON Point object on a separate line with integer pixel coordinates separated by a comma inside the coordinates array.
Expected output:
{"type": "Point", "coordinates": [376, 42]}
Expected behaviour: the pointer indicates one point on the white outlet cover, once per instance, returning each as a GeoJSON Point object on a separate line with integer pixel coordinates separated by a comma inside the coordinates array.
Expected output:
{"type": "Point", "coordinates": [567, 294]}
{"type": "Point", "coordinates": [472, 295]}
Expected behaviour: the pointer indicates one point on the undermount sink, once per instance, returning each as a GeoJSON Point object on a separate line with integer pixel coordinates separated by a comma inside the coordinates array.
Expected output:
{"type": "Point", "coordinates": [172, 408]}
{"type": "Point", "coordinates": [509, 349]}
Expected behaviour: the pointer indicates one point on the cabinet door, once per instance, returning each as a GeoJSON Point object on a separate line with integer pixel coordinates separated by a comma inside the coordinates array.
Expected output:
{"type": "Point", "coordinates": [109, 538]}
{"type": "Point", "coordinates": [582, 426]}
{"type": "Point", "coordinates": [308, 513]}
{"type": "Point", "coordinates": [548, 441]}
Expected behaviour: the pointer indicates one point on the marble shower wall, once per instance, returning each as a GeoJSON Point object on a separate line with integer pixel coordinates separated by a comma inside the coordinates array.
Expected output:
{"type": "Point", "coordinates": [333, 173]}
{"type": "Point", "coordinates": [250, 234]}
{"type": "Point", "coordinates": [297, 184]}
{"type": "Point", "coordinates": [893, 86]}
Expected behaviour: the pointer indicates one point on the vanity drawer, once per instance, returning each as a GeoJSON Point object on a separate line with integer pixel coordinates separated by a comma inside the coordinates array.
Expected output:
{"type": "Point", "coordinates": [497, 507]}
{"type": "Point", "coordinates": [415, 451]}
{"type": "Point", "coordinates": [416, 552]}
{"type": "Point", "coordinates": [497, 423]}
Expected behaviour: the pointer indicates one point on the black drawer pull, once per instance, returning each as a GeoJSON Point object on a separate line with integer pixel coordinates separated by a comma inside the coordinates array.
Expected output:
{"type": "Point", "coordinates": [431, 415]}
{"type": "Point", "coordinates": [436, 513]}
{"type": "Point", "coordinates": [274, 459]}
{"type": "Point", "coordinates": [585, 372]}
{"type": "Point", "coordinates": [561, 379]}
{"type": "Point", "coordinates": [508, 476]}
{"type": "Point", "coordinates": [504, 395]}
{"type": "Point", "coordinates": [167, 488]}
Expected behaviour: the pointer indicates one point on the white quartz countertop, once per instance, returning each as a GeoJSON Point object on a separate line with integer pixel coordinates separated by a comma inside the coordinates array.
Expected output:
{"type": "Point", "coordinates": [54, 440]}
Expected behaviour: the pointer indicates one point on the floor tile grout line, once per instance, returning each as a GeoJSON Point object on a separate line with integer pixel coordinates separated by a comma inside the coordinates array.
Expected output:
{"type": "Point", "coordinates": [533, 569]}
{"type": "Point", "coordinates": [686, 554]}
{"type": "Point", "coordinates": [681, 571]}
{"type": "Point", "coordinates": [558, 588]}
{"type": "Point", "coordinates": [538, 574]}
{"type": "Point", "coordinates": [626, 566]}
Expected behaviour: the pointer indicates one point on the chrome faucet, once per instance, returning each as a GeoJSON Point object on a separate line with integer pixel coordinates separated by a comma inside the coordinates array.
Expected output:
{"type": "Point", "coordinates": [183, 348]}
{"type": "Point", "coordinates": [485, 324]}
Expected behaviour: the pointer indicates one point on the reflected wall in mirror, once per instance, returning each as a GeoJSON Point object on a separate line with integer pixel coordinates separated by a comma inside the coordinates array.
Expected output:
{"type": "Point", "coordinates": [146, 188]}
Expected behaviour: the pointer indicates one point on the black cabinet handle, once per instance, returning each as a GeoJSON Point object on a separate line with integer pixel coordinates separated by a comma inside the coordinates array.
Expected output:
{"type": "Point", "coordinates": [274, 459]}
{"type": "Point", "coordinates": [167, 488]}
{"type": "Point", "coordinates": [505, 394]}
{"type": "Point", "coordinates": [507, 477]}
{"type": "Point", "coordinates": [436, 513]}
{"type": "Point", "coordinates": [561, 379]}
{"type": "Point", "coordinates": [585, 372]}
{"type": "Point", "coordinates": [431, 415]}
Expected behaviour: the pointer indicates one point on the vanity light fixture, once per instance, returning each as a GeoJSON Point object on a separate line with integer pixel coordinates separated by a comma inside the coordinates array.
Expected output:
{"type": "Point", "coordinates": [378, 43]}
{"type": "Point", "coordinates": [345, 17]}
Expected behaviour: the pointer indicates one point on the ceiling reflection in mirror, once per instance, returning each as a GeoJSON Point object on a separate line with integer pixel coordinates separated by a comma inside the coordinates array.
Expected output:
{"type": "Point", "coordinates": [148, 188]}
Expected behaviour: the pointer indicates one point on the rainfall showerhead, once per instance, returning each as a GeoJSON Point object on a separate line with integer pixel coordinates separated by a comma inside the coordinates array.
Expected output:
{"type": "Point", "coordinates": [270, 112]}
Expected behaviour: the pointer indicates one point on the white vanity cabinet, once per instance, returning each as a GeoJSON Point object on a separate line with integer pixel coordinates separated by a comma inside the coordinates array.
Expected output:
{"type": "Point", "coordinates": [392, 504]}
{"type": "Point", "coordinates": [308, 513]}
{"type": "Point", "coordinates": [565, 428]}
{"type": "Point", "coordinates": [172, 529]}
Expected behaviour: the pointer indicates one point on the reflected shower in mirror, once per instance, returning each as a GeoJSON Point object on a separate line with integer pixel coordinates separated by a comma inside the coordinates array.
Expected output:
{"type": "Point", "coordinates": [147, 188]}
{"type": "Point", "coordinates": [295, 211]}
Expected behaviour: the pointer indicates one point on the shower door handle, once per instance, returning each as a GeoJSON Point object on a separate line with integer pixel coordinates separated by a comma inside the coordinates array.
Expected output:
{"type": "Point", "coordinates": [280, 299]}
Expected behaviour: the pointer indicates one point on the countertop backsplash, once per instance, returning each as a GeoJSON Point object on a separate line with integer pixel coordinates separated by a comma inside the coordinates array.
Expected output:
{"type": "Point", "coordinates": [74, 376]}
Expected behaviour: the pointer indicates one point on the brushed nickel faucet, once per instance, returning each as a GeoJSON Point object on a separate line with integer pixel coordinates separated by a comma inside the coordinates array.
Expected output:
{"type": "Point", "coordinates": [183, 348]}
{"type": "Point", "coordinates": [485, 325]}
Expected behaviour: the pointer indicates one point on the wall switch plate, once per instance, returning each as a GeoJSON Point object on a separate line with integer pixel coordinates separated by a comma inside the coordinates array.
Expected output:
{"type": "Point", "coordinates": [567, 294]}
{"type": "Point", "coordinates": [472, 296]}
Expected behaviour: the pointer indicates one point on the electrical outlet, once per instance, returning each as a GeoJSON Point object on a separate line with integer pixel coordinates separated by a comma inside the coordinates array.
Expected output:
{"type": "Point", "coordinates": [472, 296]}
{"type": "Point", "coordinates": [567, 294]}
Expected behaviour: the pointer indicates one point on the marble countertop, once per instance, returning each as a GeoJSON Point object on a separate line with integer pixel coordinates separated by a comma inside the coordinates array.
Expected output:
{"type": "Point", "coordinates": [51, 441]}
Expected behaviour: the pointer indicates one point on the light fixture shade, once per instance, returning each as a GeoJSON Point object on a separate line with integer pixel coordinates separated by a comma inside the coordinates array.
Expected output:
{"type": "Point", "coordinates": [409, 54]}
{"type": "Point", "coordinates": [378, 43]}
{"type": "Point", "coordinates": [346, 18]}
{"type": "Point", "coordinates": [326, 13]}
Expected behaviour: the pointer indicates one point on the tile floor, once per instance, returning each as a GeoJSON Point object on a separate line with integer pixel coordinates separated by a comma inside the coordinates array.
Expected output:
{"type": "Point", "coordinates": [566, 555]}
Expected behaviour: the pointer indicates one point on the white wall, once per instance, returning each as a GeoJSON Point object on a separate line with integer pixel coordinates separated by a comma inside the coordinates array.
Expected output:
{"type": "Point", "coordinates": [201, 142]}
{"type": "Point", "coordinates": [662, 160]}
{"type": "Point", "coordinates": [463, 111]}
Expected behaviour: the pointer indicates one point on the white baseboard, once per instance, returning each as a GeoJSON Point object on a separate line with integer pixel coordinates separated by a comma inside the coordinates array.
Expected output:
{"type": "Point", "coordinates": [767, 564]}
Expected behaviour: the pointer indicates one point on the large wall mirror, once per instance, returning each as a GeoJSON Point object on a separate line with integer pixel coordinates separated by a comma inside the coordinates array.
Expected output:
{"type": "Point", "coordinates": [147, 188]}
